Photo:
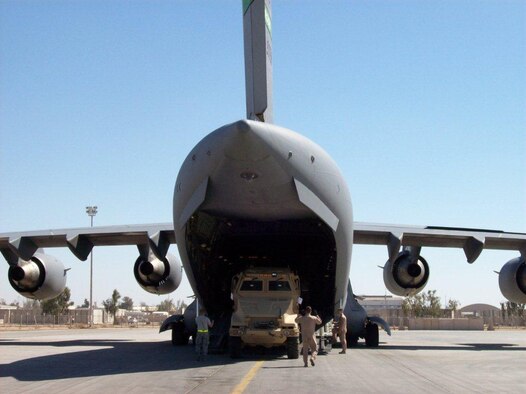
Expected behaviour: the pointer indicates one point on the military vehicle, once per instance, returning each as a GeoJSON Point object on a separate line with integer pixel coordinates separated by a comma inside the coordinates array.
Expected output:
{"type": "Point", "coordinates": [265, 309]}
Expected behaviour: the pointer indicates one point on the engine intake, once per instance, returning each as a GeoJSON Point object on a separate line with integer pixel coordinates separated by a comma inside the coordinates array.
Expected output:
{"type": "Point", "coordinates": [158, 276]}
{"type": "Point", "coordinates": [42, 277]}
{"type": "Point", "coordinates": [512, 280]}
{"type": "Point", "coordinates": [407, 275]}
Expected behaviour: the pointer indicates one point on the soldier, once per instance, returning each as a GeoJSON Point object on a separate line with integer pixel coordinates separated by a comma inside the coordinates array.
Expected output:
{"type": "Point", "coordinates": [201, 341]}
{"type": "Point", "coordinates": [342, 330]}
{"type": "Point", "coordinates": [335, 330]}
{"type": "Point", "coordinates": [308, 327]}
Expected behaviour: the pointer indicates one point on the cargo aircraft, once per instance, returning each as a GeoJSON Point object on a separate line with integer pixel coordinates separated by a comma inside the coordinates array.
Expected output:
{"type": "Point", "coordinates": [254, 194]}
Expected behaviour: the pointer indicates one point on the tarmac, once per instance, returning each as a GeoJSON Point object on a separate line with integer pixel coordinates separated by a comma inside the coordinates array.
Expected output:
{"type": "Point", "coordinates": [138, 360]}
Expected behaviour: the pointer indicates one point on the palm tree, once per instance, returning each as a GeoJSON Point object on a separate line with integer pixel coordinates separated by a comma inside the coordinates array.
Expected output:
{"type": "Point", "coordinates": [111, 305]}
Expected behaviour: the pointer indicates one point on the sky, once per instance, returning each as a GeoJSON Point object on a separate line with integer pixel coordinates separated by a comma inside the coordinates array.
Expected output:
{"type": "Point", "coordinates": [421, 103]}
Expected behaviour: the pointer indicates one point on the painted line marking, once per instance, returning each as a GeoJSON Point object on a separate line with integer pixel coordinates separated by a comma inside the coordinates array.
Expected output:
{"type": "Point", "coordinates": [247, 378]}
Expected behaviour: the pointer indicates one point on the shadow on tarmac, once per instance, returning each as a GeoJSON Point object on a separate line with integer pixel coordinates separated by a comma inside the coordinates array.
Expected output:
{"type": "Point", "coordinates": [124, 357]}
{"type": "Point", "coordinates": [457, 346]}
{"type": "Point", "coordinates": [117, 357]}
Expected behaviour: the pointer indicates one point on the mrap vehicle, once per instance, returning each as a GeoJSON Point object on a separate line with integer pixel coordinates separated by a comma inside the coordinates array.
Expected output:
{"type": "Point", "coordinates": [264, 311]}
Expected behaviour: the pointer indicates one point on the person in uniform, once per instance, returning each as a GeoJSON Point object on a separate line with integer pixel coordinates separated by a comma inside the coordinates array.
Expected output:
{"type": "Point", "coordinates": [342, 330]}
{"type": "Point", "coordinates": [308, 328]}
{"type": "Point", "coordinates": [201, 341]}
{"type": "Point", "coordinates": [335, 330]}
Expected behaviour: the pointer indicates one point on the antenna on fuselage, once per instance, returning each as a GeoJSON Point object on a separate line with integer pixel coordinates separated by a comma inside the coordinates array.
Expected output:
{"type": "Point", "coordinates": [257, 37]}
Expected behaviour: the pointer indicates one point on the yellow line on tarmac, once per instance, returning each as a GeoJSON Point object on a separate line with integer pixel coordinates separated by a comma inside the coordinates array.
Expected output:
{"type": "Point", "coordinates": [247, 378]}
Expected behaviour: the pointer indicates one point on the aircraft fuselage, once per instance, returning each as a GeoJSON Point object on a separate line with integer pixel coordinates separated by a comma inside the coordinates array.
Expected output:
{"type": "Point", "coordinates": [252, 194]}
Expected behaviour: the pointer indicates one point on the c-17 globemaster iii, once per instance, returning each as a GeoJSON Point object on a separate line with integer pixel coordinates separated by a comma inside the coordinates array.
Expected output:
{"type": "Point", "coordinates": [255, 201]}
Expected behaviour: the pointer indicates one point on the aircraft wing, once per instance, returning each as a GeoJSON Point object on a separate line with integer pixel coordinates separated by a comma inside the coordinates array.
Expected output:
{"type": "Point", "coordinates": [473, 241]}
{"type": "Point", "coordinates": [158, 237]}
{"type": "Point", "coordinates": [154, 237]}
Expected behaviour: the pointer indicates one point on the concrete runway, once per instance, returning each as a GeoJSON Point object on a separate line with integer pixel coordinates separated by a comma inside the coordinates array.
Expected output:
{"type": "Point", "coordinates": [140, 360]}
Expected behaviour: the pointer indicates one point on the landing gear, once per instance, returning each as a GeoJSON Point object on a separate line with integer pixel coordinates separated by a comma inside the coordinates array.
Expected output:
{"type": "Point", "coordinates": [371, 335]}
{"type": "Point", "coordinates": [234, 345]}
{"type": "Point", "coordinates": [293, 351]}
{"type": "Point", "coordinates": [179, 337]}
{"type": "Point", "coordinates": [352, 340]}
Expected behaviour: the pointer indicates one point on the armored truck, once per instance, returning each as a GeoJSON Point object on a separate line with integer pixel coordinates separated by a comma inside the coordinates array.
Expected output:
{"type": "Point", "coordinates": [264, 311]}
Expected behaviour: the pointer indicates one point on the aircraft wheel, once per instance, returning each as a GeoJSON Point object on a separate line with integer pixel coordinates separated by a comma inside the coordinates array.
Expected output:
{"type": "Point", "coordinates": [371, 335]}
{"type": "Point", "coordinates": [293, 351]}
{"type": "Point", "coordinates": [179, 338]}
{"type": "Point", "coordinates": [352, 340]}
{"type": "Point", "coordinates": [234, 344]}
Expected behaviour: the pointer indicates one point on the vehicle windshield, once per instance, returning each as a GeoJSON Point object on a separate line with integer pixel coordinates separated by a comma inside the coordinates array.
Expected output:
{"type": "Point", "coordinates": [279, 285]}
{"type": "Point", "coordinates": [251, 285]}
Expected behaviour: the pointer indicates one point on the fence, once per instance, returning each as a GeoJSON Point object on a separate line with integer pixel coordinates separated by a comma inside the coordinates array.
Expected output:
{"type": "Point", "coordinates": [79, 316]}
{"type": "Point", "coordinates": [423, 323]}
{"type": "Point", "coordinates": [73, 316]}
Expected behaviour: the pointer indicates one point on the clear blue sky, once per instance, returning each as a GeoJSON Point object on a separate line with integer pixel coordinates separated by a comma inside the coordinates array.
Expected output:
{"type": "Point", "coordinates": [422, 104]}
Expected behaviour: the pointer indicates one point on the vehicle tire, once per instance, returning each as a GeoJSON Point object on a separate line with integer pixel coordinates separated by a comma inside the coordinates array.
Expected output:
{"type": "Point", "coordinates": [234, 344]}
{"type": "Point", "coordinates": [371, 335]}
{"type": "Point", "coordinates": [179, 338]}
{"type": "Point", "coordinates": [293, 351]}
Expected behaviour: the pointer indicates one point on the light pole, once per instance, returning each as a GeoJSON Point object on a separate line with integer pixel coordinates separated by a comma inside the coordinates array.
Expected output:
{"type": "Point", "coordinates": [91, 211]}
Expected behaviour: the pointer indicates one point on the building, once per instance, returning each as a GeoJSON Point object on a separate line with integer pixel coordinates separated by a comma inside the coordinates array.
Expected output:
{"type": "Point", "coordinates": [388, 307]}
{"type": "Point", "coordinates": [489, 313]}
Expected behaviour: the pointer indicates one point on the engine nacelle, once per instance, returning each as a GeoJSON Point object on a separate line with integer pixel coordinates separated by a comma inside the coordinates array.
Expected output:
{"type": "Point", "coordinates": [408, 274]}
{"type": "Point", "coordinates": [512, 280]}
{"type": "Point", "coordinates": [42, 277]}
{"type": "Point", "coordinates": [158, 276]}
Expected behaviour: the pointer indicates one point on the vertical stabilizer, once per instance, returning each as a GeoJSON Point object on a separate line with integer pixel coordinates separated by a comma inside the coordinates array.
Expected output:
{"type": "Point", "coordinates": [257, 36]}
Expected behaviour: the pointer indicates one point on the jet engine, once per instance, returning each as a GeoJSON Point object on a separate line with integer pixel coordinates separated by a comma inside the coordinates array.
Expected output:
{"type": "Point", "coordinates": [512, 280]}
{"type": "Point", "coordinates": [158, 276]}
{"type": "Point", "coordinates": [42, 277]}
{"type": "Point", "coordinates": [407, 275]}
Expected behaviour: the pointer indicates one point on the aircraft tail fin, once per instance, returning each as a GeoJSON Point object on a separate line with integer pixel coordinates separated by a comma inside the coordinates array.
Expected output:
{"type": "Point", "coordinates": [257, 37]}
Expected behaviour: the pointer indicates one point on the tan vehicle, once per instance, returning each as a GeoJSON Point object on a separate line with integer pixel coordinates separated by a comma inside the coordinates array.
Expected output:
{"type": "Point", "coordinates": [265, 307]}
